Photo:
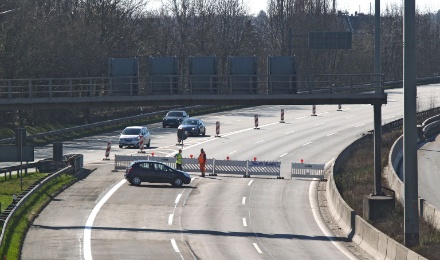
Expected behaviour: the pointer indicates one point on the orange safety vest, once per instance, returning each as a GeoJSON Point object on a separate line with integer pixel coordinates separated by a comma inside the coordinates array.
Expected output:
{"type": "Point", "coordinates": [202, 158]}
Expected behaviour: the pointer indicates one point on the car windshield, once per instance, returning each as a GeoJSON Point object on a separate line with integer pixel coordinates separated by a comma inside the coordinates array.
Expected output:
{"type": "Point", "coordinates": [131, 131]}
{"type": "Point", "coordinates": [189, 122]}
{"type": "Point", "coordinates": [174, 113]}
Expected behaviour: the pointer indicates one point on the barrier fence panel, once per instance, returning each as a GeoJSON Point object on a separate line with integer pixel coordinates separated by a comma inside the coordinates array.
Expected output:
{"type": "Point", "coordinates": [307, 170]}
{"type": "Point", "coordinates": [264, 168]}
{"type": "Point", "coordinates": [245, 168]}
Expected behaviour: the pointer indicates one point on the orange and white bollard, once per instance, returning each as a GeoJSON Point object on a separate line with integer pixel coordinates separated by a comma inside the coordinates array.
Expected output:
{"type": "Point", "coordinates": [227, 158]}
{"type": "Point", "coordinates": [141, 144]}
{"type": "Point", "coordinates": [282, 116]}
{"type": "Point", "coordinates": [217, 129]}
{"type": "Point", "coordinates": [339, 107]}
{"type": "Point", "coordinates": [107, 151]}
{"type": "Point", "coordinates": [255, 159]}
{"type": "Point", "coordinates": [314, 110]}
{"type": "Point", "coordinates": [256, 122]}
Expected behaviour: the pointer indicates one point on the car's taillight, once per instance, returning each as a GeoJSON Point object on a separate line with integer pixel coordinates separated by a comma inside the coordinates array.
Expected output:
{"type": "Point", "coordinates": [129, 170]}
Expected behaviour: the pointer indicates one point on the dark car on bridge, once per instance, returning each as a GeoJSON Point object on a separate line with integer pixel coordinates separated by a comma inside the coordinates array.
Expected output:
{"type": "Point", "coordinates": [174, 118]}
{"type": "Point", "coordinates": [193, 126]}
{"type": "Point", "coordinates": [155, 172]}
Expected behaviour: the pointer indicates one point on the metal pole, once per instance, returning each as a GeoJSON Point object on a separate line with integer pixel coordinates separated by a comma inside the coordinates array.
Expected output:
{"type": "Point", "coordinates": [377, 57]}
{"type": "Point", "coordinates": [410, 174]}
{"type": "Point", "coordinates": [377, 107]}
{"type": "Point", "coordinates": [377, 150]}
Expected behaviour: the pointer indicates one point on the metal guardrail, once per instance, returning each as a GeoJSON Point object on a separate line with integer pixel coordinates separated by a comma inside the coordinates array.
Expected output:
{"type": "Point", "coordinates": [245, 168]}
{"type": "Point", "coordinates": [8, 213]}
{"type": "Point", "coordinates": [97, 124]}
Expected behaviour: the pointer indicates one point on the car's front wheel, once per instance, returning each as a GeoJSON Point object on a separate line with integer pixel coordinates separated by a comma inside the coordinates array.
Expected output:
{"type": "Point", "coordinates": [149, 143]}
{"type": "Point", "coordinates": [136, 181]}
{"type": "Point", "coordinates": [120, 146]}
{"type": "Point", "coordinates": [204, 132]}
{"type": "Point", "coordinates": [178, 182]}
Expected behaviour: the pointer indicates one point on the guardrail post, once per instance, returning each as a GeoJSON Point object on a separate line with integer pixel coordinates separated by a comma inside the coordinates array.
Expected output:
{"type": "Point", "coordinates": [70, 88]}
{"type": "Point", "coordinates": [91, 87]}
{"type": "Point", "coordinates": [50, 88]}
{"type": "Point", "coordinates": [9, 89]}
{"type": "Point", "coordinates": [30, 88]}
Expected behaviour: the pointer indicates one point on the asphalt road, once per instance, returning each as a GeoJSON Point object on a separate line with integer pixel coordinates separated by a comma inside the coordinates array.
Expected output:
{"type": "Point", "coordinates": [221, 217]}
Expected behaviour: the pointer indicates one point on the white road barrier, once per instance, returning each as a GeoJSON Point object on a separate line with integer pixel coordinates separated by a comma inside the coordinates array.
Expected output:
{"type": "Point", "coordinates": [213, 166]}
{"type": "Point", "coordinates": [307, 170]}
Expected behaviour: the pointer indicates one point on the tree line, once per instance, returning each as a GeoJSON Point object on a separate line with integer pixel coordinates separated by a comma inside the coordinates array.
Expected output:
{"type": "Point", "coordinates": [75, 38]}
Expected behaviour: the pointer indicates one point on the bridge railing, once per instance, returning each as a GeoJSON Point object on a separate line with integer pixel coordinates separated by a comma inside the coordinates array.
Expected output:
{"type": "Point", "coordinates": [186, 84]}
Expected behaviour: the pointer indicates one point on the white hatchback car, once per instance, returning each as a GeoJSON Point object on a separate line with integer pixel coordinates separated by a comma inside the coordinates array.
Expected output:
{"type": "Point", "coordinates": [131, 136]}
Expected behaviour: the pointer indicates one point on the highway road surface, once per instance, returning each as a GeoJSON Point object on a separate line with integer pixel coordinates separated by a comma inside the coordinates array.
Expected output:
{"type": "Point", "coordinates": [216, 217]}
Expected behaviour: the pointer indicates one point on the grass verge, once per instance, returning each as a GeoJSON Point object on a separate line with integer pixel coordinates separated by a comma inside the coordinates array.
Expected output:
{"type": "Point", "coordinates": [356, 179]}
{"type": "Point", "coordinates": [25, 214]}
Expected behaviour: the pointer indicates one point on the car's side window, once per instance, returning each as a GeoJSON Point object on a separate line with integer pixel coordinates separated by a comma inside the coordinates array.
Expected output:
{"type": "Point", "coordinates": [145, 166]}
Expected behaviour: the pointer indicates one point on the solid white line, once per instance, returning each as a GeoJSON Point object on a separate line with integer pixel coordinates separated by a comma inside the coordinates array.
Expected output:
{"type": "Point", "coordinates": [257, 248]}
{"type": "Point", "coordinates": [284, 154]}
{"type": "Point", "coordinates": [243, 201]}
{"type": "Point", "coordinates": [174, 244]}
{"type": "Point", "coordinates": [318, 218]}
{"type": "Point", "coordinates": [332, 134]}
{"type": "Point", "coordinates": [306, 144]}
{"type": "Point", "coordinates": [244, 222]}
{"type": "Point", "coordinates": [178, 198]}
{"type": "Point", "coordinates": [170, 219]}
{"type": "Point", "coordinates": [249, 184]}
{"type": "Point", "coordinates": [89, 224]}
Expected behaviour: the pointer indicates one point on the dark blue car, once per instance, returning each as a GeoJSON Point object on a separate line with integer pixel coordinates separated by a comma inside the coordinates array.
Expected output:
{"type": "Point", "coordinates": [193, 126]}
{"type": "Point", "coordinates": [155, 172]}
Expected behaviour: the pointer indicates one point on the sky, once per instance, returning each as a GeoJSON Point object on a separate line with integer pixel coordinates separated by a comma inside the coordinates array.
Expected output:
{"type": "Point", "coordinates": [362, 6]}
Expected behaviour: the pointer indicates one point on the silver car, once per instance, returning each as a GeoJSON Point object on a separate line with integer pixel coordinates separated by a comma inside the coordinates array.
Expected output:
{"type": "Point", "coordinates": [132, 135]}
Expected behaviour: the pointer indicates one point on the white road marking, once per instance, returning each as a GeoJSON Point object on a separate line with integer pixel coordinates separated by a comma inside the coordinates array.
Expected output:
{"type": "Point", "coordinates": [259, 141]}
{"type": "Point", "coordinates": [389, 117]}
{"type": "Point", "coordinates": [250, 182]}
{"type": "Point", "coordinates": [318, 218]}
{"type": "Point", "coordinates": [170, 219]}
{"type": "Point", "coordinates": [257, 248]}
{"type": "Point", "coordinates": [360, 125]}
{"type": "Point", "coordinates": [349, 117]}
{"type": "Point", "coordinates": [286, 133]}
{"type": "Point", "coordinates": [89, 224]}
{"type": "Point", "coordinates": [178, 198]}
{"type": "Point", "coordinates": [319, 124]}
{"type": "Point", "coordinates": [233, 152]}
{"type": "Point", "coordinates": [284, 154]}
{"type": "Point", "coordinates": [243, 201]}
{"type": "Point", "coordinates": [174, 244]}
{"type": "Point", "coordinates": [244, 222]}
{"type": "Point", "coordinates": [332, 134]}
{"type": "Point", "coordinates": [326, 112]}
{"type": "Point", "coordinates": [306, 144]}
{"type": "Point", "coordinates": [301, 117]}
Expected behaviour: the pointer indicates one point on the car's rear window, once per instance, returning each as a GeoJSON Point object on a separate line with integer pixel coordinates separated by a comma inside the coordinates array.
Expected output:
{"type": "Point", "coordinates": [189, 122]}
{"type": "Point", "coordinates": [131, 131]}
{"type": "Point", "coordinates": [175, 113]}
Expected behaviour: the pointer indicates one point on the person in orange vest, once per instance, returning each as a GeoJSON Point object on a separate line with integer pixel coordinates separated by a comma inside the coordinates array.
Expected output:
{"type": "Point", "coordinates": [202, 162]}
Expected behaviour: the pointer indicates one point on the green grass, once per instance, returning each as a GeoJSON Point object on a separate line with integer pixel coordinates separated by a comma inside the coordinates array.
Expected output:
{"type": "Point", "coordinates": [14, 185]}
{"type": "Point", "coordinates": [25, 214]}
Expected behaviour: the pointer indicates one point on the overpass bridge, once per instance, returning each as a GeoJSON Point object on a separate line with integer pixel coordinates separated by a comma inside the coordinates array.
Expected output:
{"type": "Point", "coordinates": [55, 93]}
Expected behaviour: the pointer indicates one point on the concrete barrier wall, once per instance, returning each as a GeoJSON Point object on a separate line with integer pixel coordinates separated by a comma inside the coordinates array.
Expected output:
{"type": "Point", "coordinates": [394, 159]}
{"type": "Point", "coordinates": [370, 239]}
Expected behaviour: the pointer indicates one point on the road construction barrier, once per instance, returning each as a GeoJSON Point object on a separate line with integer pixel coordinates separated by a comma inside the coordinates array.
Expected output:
{"type": "Point", "coordinates": [314, 110]}
{"type": "Point", "coordinates": [213, 166]}
{"type": "Point", "coordinates": [107, 151]}
{"type": "Point", "coordinates": [217, 129]}
{"type": "Point", "coordinates": [307, 170]}
{"type": "Point", "coordinates": [256, 122]}
{"type": "Point", "coordinates": [282, 116]}
{"type": "Point", "coordinates": [141, 144]}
